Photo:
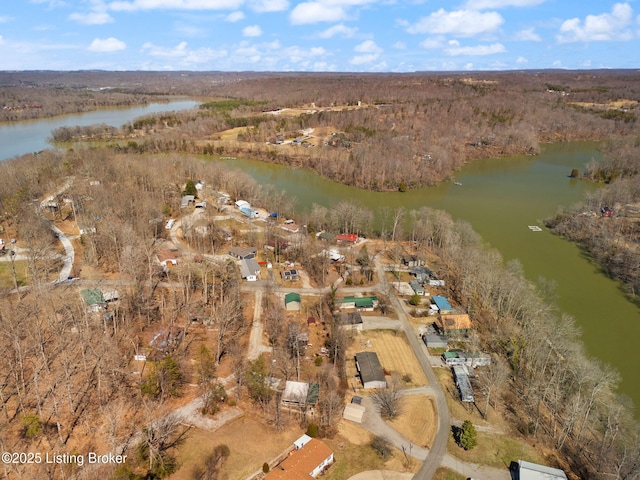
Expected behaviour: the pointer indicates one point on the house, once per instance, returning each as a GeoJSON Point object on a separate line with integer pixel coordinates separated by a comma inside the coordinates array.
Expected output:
{"type": "Point", "coordinates": [290, 227]}
{"type": "Point", "coordinates": [354, 412]}
{"type": "Point", "coordinates": [442, 304]}
{"type": "Point", "coordinates": [468, 359]}
{"type": "Point", "coordinates": [433, 340]}
{"type": "Point", "coordinates": [94, 299]}
{"type": "Point", "coordinates": [326, 236]}
{"type": "Point", "coordinates": [454, 325]}
{"type": "Point", "coordinates": [243, 253]}
{"type": "Point", "coordinates": [347, 238]}
{"type": "Point", "coordinates": [360, 303]}
{"type": "Point", "coordinates": [532, 471]}
{"type": "Point", "coordinates": [412, 261]}
{"type": "Point", "coordinates": [295, 394]}
{"type": "Point", "coordinates": [351, 320]}
{"type": "Point", "coordinates": [240, 204]}
{"type": "Point", "coordinates": [370, 370]}
{"type": "Point", "coordinates": [168, 258]}
{"type": "Point", "coordinates": [111, 296]}
{"type": "Point", "coordinates": [292, 301]}
{"type": "Point", "coordinates": [187, 200]}
{"type": "Point", "coordinates": [249, 269]}
{"type": "Point", "coordinates": [417, 287]}
{"type": "Point", "coordinates": [309, 458]}
{"type": "Point", "coordinates": [291, 274]}
{"type": "Point", "coordinates": [465, 390]}
{"type": "Point", "coordinates": [249, 212]}
{"type": "Point", "coordinates": [421, 273]}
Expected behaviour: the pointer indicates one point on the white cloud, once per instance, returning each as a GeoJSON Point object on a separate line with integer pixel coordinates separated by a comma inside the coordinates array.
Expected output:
{"type": "Point", "coordinates": [93, 18]}
{"type": "Point", "coordinates": [432, 43]}
{"type": "Point", "coordinates": [340, 29]}
{"type": "Point", "coordinates": [252, 31]}
{"type": "Point", "coordinates": [4, 19]}
{"type": "Point", "coordinates": [364, 59]}
{"type": "Point", "coordinates": [368, 46]}
{"type": "Point", "coordinates": [460, 22]}
{"type": "Point", "coordinates": [527, 35]}
{"type": "Point", "coordinates": [521, 61]}
{"type": "Point", "coordinates": [183, 55]}
{"type": "Point", "coordinates": [477, 50]}
{"type": "Point", "coordinates": [234, 17]}
{"type": "Point", "coordinates": [399, 45]}
{"type": "Point", "coordinates": [484, 4]}
{"type": "Point", "coordinates": [269, 5]}
{"type": "Point", "coordinates": [313, 12]}
{"type": "Point", "coordinates": [134, 5]}
{"type": "Point", "coordinates": [107, 45]}
{"type": "Point", "coordinates": [599, 28]}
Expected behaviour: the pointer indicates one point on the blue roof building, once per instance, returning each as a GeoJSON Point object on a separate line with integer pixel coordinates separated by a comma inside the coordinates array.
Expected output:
{"type": "Point", "coordinates": [442, 303]}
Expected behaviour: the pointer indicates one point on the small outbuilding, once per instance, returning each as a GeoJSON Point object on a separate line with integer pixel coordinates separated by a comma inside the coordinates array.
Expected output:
{"type": "Point", "coordinates": [417, 287]}
{"type": "Point", "coordinates": [442, 304]}
{"type": "Point", "coordinates": [370, 370]}
{"type": "Point", "coordinates": [351, 320]}
{"type": "Point", "coordinates": [532, 471]}
{"type": "Point", "coordinates": [292, 301]}
{"type": "Point", "coordinates": [354, 412]}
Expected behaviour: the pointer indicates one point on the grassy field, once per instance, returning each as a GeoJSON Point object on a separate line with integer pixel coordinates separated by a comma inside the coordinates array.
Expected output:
{"type": "Point", "coordinates": [444, 473]}
{"type": "Point", "coordinates": [251, 443]}
{"type": "Point", "coordinates": [418, 421]}
{"type": "Point", "coordinates": [394, 353]}
{"type": "Point", "coordinates": [495, 451]}
{"type": "Point", "coordinates": [6, 274]}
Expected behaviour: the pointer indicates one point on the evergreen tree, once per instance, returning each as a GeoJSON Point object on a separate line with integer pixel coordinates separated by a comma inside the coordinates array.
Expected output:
{"type": "Point", "coordinates": [190, 189]}
{"type": "Point", "coordinates": [467, 436]}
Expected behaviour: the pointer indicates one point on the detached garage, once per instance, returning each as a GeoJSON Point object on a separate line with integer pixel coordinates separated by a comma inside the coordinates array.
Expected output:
{"type": "Point", "coordinates": [354, 412]}
{"type": "Point", "coordinates": [370, 370]}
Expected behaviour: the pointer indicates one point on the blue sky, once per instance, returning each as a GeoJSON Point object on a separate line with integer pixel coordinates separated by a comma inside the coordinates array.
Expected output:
{"type": "Point", "coordinates": [318, 35]}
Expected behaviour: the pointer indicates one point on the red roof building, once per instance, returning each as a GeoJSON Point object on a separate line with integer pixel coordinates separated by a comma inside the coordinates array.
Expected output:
{"type": "Point", "coordinates": [347, 237]}
{"type": "Point", "coordinates": [305, 463]}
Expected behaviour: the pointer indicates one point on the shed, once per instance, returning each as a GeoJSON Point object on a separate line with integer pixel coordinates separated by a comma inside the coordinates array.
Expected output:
{"type": "Point", "coordinates": [442, 303]}
{"type": "Point", "coordinates": [433, 340]}
{"type": "Point", "coordinates": [292, 301]}
{"type": "Point", "coordinates": [351, 320]}
{"type": "Point", "coordinates": [370, 370]}
{"type": "Point", "coordinates": [354, 412]}
{"type": "Point", "coordinates": [533, 471]}
{"type": "Point", "coordinates": [412, 261]}
{"type": "Point", "coordinates": [249, 269]}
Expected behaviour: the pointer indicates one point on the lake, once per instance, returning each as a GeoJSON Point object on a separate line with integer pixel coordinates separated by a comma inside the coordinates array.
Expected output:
{"type": "Point", "coordinates": [499, 197]}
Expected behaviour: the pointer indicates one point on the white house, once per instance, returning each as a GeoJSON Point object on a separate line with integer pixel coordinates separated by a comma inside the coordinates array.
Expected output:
{"type": "Point", "coordinates": [249, 269]}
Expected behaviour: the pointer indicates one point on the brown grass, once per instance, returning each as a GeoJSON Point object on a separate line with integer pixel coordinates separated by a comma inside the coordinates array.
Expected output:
{"type": "Point", "coordinates": [396, 355]}
{"type": "Point", "coordinates": [418, 422]}
{"type": "Point", "coordinates": [251, 443]}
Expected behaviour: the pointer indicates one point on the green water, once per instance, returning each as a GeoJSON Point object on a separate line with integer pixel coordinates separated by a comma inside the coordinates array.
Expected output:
{"type": "Point", "coordinates": [500, 198]}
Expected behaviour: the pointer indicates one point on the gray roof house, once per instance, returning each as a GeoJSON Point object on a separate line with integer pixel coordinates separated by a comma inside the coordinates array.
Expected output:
{"type": "Point", "coordinates": [242, 253]}
{"type": "Point", "coordinates": [249, 269]}
{"type": "Point", "coordinates": [533, 471]}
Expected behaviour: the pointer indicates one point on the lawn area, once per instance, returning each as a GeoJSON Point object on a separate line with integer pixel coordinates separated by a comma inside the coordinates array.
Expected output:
{"type": "Point", "coordinates": [6, 273]}
{"type": "Point", "coordinates": [495, 451]}
{"type": "Point", "coordinates": [443, 473]}
{"type": "Point", "coordinates": [251, 443]}
{"type": "Point", "coordinates": [418, 421]}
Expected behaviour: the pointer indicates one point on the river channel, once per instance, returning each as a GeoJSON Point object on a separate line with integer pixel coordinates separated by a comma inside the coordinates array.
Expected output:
{"type": "Point", "coordinates": [499, 197]}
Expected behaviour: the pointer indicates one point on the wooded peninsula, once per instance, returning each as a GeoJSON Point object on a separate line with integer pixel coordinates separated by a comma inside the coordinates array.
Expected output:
{"type": "Point", "coordinates": [160, 345]}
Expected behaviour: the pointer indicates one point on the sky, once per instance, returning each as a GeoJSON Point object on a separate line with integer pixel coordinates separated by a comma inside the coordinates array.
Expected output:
{"type": "Point", "coordinates": [318, 35]}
